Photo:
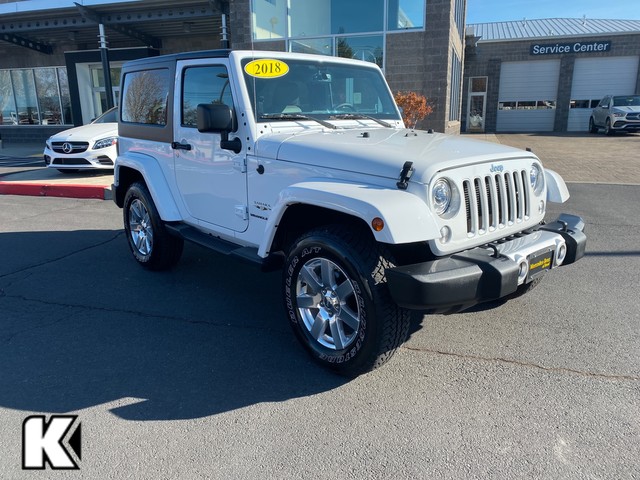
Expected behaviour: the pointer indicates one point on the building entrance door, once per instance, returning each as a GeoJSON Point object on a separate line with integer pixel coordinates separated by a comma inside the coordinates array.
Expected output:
{"type": "Point", "coordinates": [477, 104]}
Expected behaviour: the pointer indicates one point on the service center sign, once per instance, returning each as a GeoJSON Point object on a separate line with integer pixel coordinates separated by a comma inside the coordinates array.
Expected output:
{"type": "Point", "coordinates": [576, 47]}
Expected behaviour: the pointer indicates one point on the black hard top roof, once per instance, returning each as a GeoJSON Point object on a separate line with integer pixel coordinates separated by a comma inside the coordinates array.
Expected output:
{"type": "Point", "coordinates": [174, 57]}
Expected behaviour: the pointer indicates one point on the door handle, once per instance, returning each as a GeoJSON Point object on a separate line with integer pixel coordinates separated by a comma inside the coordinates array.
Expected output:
{"type": "Point", "coordinates": [180, 146]}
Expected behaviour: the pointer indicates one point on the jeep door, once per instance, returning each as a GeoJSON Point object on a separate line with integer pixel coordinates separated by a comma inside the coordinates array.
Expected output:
{"type": "Point", "coordinates": [212, 181]}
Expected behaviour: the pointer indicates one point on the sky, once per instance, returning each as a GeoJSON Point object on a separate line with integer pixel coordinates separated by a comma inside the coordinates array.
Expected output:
{"type": "Point", "coordinates": [484, 11]}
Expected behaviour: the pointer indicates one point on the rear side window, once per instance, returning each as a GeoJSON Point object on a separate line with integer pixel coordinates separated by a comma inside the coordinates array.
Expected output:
{"type": "Point", "coordinates": [144, 97]}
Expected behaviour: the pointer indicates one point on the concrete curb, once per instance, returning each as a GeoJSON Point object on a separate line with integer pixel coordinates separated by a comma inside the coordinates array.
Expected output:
{"type": "Point", "coordinates": [55, 190]}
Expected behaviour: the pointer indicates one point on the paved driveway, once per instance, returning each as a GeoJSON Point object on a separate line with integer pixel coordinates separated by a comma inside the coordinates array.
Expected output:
{"type": "Point", "coordinates": [582, 157]}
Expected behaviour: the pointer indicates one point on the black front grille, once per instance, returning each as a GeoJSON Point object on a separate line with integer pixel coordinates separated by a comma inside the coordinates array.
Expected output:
{"type": "Point", "coordinates": [70, 161]}
{"type": "Point", "coordinates": [76, 147]}
{"type": "Point", "coordinates": [496, 201]}
{"type": "Point", "coordinates": [633, 116]}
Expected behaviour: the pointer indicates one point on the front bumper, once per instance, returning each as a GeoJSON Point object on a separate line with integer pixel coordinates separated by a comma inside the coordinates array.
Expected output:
{"type": "Point", "coordinates": [491, 272]}
{"type": "Point", "coordinates": [89, 159]}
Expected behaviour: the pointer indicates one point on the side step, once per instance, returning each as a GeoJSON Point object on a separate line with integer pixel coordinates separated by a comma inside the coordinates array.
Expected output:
{"type": "Point", "coordinates": [248, 254]}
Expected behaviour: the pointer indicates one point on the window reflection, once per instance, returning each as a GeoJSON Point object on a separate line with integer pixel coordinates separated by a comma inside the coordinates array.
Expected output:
{"type": "Point", "coordinates": [35, 96]}
{"type": "Point", "coordinates": [7, 102]}
{"type": "Point", "coordinates": [404, 14]}
{"type": "Point", "coordinates": [48, 96]}
{"type": "Point", "coordinates": [204, 85]}
{"type": "Point", "coordinates": [26, 102]}
{"type": "Point", "coordinates": [367, 48]}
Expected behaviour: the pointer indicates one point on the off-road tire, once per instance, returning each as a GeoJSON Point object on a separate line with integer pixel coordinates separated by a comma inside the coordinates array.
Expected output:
{"type": "Point", "coordinates": [343, 279]}
{"type": "Point", "coordinates": [150, 243]}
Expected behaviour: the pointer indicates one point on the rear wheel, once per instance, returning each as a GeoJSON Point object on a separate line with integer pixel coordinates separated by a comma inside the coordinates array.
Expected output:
{"type": "Point", "coordinates": [592, 126]}
{"type": "Point", "coordinates": [152, 246]}
{"type": "Point", "coordinates": [338, 302]}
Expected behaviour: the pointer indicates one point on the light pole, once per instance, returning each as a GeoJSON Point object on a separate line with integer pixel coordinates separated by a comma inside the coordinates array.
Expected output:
{"type": "Point", "coordinates": [104, 54]}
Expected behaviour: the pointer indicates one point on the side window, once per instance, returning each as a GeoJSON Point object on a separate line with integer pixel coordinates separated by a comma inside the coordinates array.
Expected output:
{"type": "Point", "coordinates": [208, 84]}
{"type": "Point", "coordinates": [144, 97]}
{"type": "Point", "coordinates": [604, 103]}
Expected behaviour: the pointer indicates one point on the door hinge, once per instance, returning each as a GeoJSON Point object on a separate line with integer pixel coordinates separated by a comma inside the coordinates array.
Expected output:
{"type": "Point", "coordinates": [242, 211]}
{"type": "Point", "coordinates": [240, 164]}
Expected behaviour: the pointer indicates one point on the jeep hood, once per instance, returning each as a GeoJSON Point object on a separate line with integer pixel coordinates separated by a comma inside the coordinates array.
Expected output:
{"type": "Point", "coordinates": [382, 152]}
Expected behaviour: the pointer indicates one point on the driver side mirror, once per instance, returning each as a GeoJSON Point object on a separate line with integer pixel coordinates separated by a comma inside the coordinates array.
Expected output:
{"type": "Point", "coordinates": [216, 118]}
{"type": "Point", "coordinates": [219, 118]}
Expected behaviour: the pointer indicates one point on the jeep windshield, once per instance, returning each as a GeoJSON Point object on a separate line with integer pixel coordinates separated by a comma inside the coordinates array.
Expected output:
{"type": "Point", "coordinates": [318, 90]}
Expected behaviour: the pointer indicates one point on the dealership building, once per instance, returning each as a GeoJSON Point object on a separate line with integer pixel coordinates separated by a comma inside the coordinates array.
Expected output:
{"type": "Point", "coordinates": [530, 75]}
{"type": "Point", "coordinates": [546, 75]}
{"type": "Point", "coordinates": [51, 66]}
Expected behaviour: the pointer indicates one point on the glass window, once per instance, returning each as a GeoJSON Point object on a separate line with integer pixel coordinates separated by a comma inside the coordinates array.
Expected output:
{"type": "Point", "coordinates": [269, 19]}
{"type": "Point", "coordinates": [579, 104]}
{"type": "Point", "coordinates": [507, 105]}
{"type": "Point", "coordinates": [456, 85]}
{"type": "Point", "coordinates": [7, 103]}
{"type": "Point", "coordinates": [65, 96]}
{"type": "Point", "coordinates": [204, 85]}
{"type": "Point", "coordinates": [323, 17]}
{"type": "Point", "coordinates": [357, 16]}
{"type": "Point", "coordinates": [478, 84]}
{"type": "Point", "coordinates": [26, 102]}
{"type": "Point", "coordinates": [367, 48]}
{"type": "Point", "coordinates": [145, 97]}
{"type": "Point", "coordinates": [319, 46]}
{"type": "Point", "coordinates": [310, 19]}
{"type": "Point", "coordinates": [404, 14]}
{"type": "Point", "coordinates": [48, 95]}
{"type": "Point", "coordinates": [546, 104]}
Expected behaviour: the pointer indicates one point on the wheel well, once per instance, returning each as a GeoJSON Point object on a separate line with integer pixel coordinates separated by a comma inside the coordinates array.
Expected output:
{"type": "Point", "coordinates": [300, 218]}
{"type": "Point", "coordinates": [126, 177]}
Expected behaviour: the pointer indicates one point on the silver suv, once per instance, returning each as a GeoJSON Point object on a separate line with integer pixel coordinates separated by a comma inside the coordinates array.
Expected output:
{"type": "Point", "coordinates": [620, 113]}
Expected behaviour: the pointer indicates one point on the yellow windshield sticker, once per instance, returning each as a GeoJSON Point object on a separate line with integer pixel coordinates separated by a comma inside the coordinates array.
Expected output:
{"type": "Point", "coordinates": [266, 68]}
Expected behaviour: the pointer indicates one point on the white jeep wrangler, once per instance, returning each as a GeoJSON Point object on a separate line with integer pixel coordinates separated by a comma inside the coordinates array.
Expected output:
{"type": "Point", "coordinates": [302, 162]}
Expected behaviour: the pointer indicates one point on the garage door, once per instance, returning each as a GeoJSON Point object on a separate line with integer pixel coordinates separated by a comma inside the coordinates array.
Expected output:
{"type": "Point", "coordinates": [527, 98]}
{"type": "Point", "coordinates": [593, 78]}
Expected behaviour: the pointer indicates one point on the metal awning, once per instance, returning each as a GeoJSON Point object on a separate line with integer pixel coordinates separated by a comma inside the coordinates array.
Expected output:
{"type": "Point", "coordinates": [130, 24]}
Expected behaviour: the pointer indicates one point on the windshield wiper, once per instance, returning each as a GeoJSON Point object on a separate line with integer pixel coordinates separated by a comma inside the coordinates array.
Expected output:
{"type": "Point", "coordinates": [360, 116]}
{"type": "Point", "coordinates": [296, 116]}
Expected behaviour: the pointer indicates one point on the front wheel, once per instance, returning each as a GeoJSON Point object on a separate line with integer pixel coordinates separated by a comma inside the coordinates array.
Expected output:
{"type": "Point", "coordinates": [338, 302]}
{"type": "Point", "coordinates": [152, 246]}
{"type": "Point", "coordinates": [608, 130]}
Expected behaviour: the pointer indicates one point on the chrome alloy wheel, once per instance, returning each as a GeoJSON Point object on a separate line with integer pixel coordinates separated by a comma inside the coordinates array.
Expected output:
{"type": "Point", "coordinates": [140, 227]}
{"type": "Point", "coordinates": [328, 304]}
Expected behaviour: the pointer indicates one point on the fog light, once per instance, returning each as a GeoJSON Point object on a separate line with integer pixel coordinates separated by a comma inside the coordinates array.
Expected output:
{"type": "Point", "coordinates": [561, 254]}
{"type": "Point", "coordinates": [445, 235]}
{"type": "Point", "coordinates": [523, 270]}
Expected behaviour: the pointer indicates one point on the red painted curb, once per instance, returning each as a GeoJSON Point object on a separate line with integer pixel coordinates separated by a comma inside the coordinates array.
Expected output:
{"type": "Point", "coordinates": [43, 190]}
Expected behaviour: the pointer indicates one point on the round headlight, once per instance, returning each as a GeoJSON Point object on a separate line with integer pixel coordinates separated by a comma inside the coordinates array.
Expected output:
{"type": "Point", "coordinates": [441, 195]}
{"type": "Point", "coordinates": [536, 178]}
